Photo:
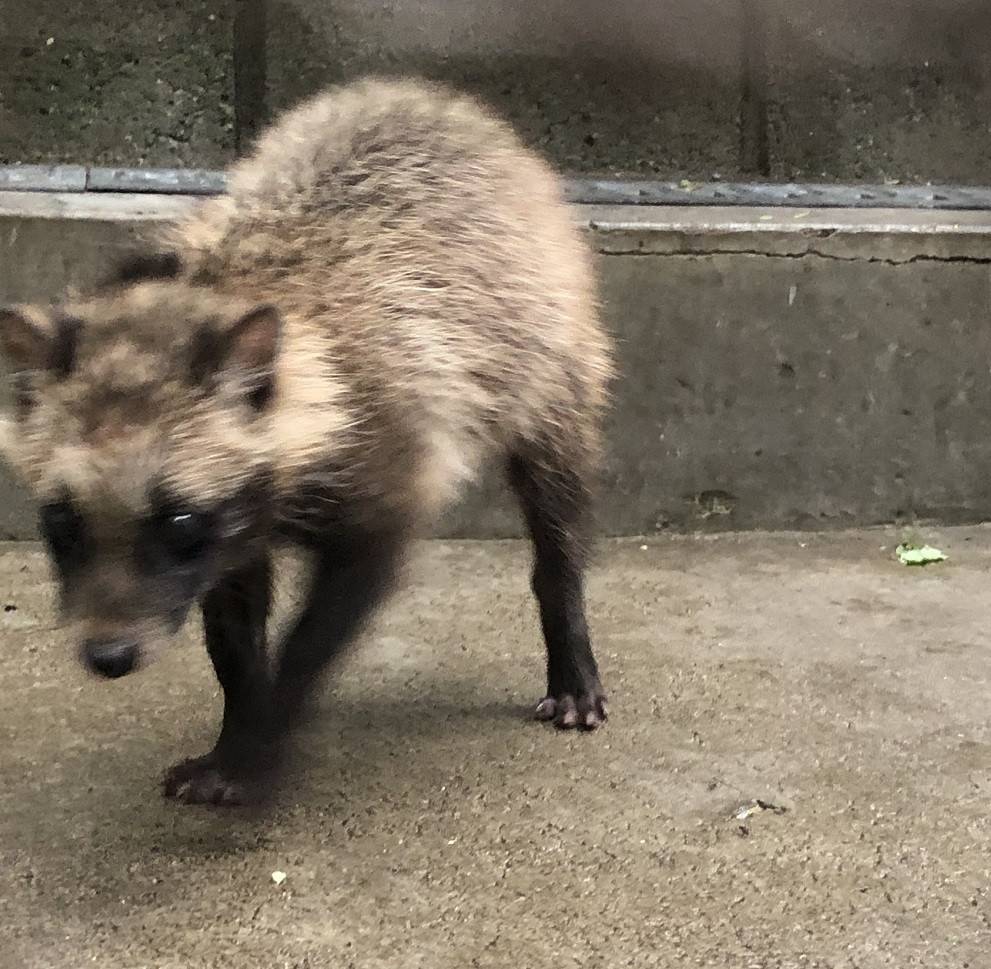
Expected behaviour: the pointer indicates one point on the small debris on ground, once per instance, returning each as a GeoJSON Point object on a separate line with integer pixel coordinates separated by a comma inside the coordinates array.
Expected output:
{"type": "Point", "coordinates": [756, 806]}
{"type": "Point", "coordinates": [278, 877]}
{"type": "Point", "coordinates": [911, 554]}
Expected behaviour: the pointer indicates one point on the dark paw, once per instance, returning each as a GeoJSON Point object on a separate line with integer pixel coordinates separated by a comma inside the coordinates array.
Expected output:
{"type": "Point", "coordinates": [583, 710]}
{"type": "Point", "coordinates": [204, 780]}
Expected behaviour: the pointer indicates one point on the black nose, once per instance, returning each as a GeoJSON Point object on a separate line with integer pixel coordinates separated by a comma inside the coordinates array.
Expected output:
{"type": "Point", "coordinates": [110, 657]}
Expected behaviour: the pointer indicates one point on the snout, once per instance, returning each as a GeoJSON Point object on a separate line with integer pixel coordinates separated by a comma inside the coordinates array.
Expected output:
{"type": "Point", "coordinates": [109, 657]}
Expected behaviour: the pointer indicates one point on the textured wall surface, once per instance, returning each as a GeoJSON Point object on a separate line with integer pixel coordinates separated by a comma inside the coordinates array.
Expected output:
{"type": "Point", "coordinates": [789, 89]}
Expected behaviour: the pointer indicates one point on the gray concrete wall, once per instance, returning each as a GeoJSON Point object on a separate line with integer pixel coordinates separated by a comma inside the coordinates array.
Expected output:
{"type": "Point", "coordinates": [641, 87]}
{"type": "Point", "coordinates": [893, 89]}
{"type": "Point", "coordinates": [778, 368]}
{"type": "Point", "coordinates": [791, 89]}
{"type": "Point", "coordinates": [148, 81]}
{"type": "Point", "coordinates": [834, 90]}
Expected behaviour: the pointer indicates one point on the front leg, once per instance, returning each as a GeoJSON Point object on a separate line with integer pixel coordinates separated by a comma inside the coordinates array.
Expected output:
{"type": "Point", "coordinates": [235, 616]}
{"type": "Point", "coordinates": [353, 573]}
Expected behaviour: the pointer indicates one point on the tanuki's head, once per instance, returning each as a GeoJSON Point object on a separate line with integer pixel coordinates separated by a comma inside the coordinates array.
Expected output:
{"type": "Point", "coordinates": [140, 422]}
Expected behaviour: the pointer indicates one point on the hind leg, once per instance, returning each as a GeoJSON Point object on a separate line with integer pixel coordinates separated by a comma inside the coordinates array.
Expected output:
{"type": "Point", "coordinates": [556, 505]}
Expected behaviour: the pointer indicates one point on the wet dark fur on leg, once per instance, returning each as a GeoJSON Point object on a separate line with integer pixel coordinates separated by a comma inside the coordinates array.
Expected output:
{"type": "Point", "coordinates": [556, 505]}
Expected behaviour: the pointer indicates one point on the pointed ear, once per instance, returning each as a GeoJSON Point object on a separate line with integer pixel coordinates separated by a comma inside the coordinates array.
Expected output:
{"type": "Point", "coordinates": [248, 347]}
{"type": "Point", "coordinates": [27, 335]}
{"type": "Point", "coordinates": [253, 341]}
{"type": "Point", "coordinates": [32, 339]}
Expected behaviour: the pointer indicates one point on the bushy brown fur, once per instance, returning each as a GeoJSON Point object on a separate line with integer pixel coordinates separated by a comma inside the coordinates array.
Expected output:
{"type": "Point", "coordinates": [437, 302]}
{"type": "Point", "coordinates": [437, 312]}
{"type": "Point", "coordinates": [425, 259]}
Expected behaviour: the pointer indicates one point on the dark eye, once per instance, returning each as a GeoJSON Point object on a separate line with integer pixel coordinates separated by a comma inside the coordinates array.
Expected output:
{"type": "Point", "coordinates": [185, 534]}
{"type": "Point", "coordinates": [65, 533]}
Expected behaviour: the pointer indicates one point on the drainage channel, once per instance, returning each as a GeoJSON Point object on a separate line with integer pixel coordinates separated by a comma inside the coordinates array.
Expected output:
{"type": "Point", "coordinates": [581, 191]}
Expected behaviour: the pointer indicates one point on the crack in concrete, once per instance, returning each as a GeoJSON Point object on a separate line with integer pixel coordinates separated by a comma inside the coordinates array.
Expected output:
{"type": "Point", "coordinates": [815, 253]}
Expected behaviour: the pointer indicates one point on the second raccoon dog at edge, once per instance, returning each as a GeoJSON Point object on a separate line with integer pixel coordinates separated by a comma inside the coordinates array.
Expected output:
{"type": "Point", "coordinates": [391, 296]}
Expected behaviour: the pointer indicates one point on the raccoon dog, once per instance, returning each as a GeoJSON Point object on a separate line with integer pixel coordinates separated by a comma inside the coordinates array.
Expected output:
{"type": "Point", "coordinates": [391, 294]}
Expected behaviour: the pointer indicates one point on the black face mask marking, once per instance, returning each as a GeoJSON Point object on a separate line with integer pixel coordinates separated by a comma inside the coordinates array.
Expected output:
{"type": "Point", "coordinates": [185, 535]}
{"type": "Point", "coordinates": [66, 535]}
{"type": "Point", "coordinates": [175, 537]}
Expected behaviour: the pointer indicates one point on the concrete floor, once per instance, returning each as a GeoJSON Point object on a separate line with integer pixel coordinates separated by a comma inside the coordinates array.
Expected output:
{"type": "Point", "coordinates": [430, 825]}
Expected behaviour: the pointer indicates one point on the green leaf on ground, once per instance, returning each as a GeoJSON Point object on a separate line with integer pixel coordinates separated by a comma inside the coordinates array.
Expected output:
{"type": "Point", "coordinates": [911, 554]}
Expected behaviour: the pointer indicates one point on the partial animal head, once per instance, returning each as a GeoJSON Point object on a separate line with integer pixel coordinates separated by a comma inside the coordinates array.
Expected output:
{"type": "Point", "coordinates": [140, 422]}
